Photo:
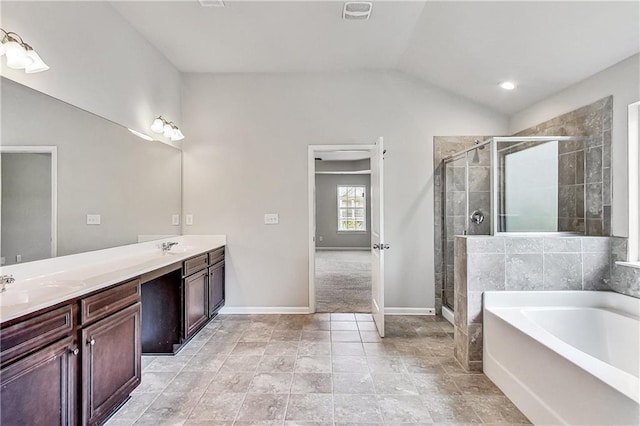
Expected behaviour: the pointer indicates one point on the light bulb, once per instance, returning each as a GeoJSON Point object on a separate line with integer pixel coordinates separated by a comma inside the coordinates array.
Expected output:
{"type": "Point", "coordinates": [168, 130]}
{"type": "Point", "coordinates": [17, 57]}
{"type": "Point", "coordinates": [158, 125]}
{"type": "Point", "coordinates": [177, 135]}
{"type": "Point", "coordinates": [37, 65]}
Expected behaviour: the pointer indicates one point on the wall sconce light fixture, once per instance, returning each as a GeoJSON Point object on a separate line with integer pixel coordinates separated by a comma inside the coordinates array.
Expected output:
{"type": "Point", "coordinates": [20, 55]}
{"type": "Point", "coordinates": [167, 128]}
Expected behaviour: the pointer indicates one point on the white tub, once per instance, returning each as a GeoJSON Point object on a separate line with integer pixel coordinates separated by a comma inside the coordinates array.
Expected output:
{"type": "Point", "coordinates": [565, 357]}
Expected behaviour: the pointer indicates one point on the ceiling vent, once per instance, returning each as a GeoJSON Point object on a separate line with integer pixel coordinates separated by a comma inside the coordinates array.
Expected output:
{"type": "Point", "coordinates": [357, 10]}
{"type": "Point", "coordinates": [211, 3]}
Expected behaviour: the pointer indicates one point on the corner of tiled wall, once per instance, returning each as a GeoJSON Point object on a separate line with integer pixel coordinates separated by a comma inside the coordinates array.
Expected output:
{"type": "Point", "coordinates": [624, 279]}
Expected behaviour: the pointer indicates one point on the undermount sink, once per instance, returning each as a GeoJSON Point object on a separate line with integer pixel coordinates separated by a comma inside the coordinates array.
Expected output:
{"type": "Point", "coordinates": [22, 293]}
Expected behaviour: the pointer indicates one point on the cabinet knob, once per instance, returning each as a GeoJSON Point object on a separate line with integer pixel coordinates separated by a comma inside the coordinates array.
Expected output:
{"type": "Point", "coordinates": [75, 351]}
{"type": "Point", "coordinates": [92, 341]}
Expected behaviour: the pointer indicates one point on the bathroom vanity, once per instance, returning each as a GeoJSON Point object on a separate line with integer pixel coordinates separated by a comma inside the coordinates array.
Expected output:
{"type": "Point", "coordinates": [71, 338]}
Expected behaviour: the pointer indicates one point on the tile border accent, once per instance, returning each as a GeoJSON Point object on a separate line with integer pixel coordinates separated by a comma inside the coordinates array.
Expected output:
{"type": "Point", "coordinates": [409, 311]}
{"type": "Point", "coordinates": [233, 310]}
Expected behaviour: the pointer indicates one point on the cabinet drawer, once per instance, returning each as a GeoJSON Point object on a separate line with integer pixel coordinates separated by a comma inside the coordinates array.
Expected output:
{"type": "Point", "coordinates": [216, 256]}
{"type": "Point", "coordinates": [194, 265]}
{"type": "Point", "coordinates": [34, 333]}
{"type": "Point", "coordinates": [109, 301]}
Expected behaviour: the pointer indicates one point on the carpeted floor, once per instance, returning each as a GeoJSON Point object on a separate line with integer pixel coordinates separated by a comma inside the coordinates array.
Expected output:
{"type": "Point", "coordinates": [343, 281]}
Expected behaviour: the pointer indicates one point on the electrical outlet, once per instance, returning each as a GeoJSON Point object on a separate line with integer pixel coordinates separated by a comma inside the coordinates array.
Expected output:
{"type": "Point", "coordinates": [188, 219]}
{"type": "Point", "coordinates": [320, 238]}
{"type": "Point", "coordinates": [93, 219]}
{"type": "Point", "coordinates": [3, 260]}
{"type": "Point", "coordinates": [175, 219]}
{"type": "Point", "coordinates": [18, 258]}
{"type": "Point", "coordinates": [271, 219]}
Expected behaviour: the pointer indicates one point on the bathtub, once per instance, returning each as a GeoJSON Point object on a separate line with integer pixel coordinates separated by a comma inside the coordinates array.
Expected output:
{"type": "Point", "coordinates": [565, 357]}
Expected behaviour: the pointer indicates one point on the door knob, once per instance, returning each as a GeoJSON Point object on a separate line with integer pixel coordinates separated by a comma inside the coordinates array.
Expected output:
{"type": "Point", "coordinates": [384, 247]}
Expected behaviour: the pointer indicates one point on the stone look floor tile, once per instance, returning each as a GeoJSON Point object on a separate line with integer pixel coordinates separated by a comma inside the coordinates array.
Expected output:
{"type": "Point", "coordinates": [347, 349]}
{"type": "Point", "coordinates": [345, 336]}
{"type": "Point", "coordinates": [277, 364]}
{"type": "Point", "coordinates": [311, 383]}
{"type": "Point", "coordinates": [310, 407]}
{"type": "Point", "coordinates": [190, 381]}
{"type": "Point", "coordinates": [450, 409]}
{"type": "Point", "coordinates": [257, 407]}
{"type": "Point", "coordinates": [231, 375]}
{"type": "Point", "coordinates": [342, 317]}
{"type": "Point", "coordinates": [281, 349]}
{"type": "Point", "coordinates": [370, 336]}
{"type": "Point", "coordinates": [344, 325]}
{"type": "Point", "coordinates": [349, 364]}
{"type": "Point", "coordinates": [169, 408]}
{"type": "Point", "coordinates": [348, 383]}
{"type": "Point", "coordinates": [230, 381]}
{"type": "Point", "coordinates": [271, 383]}
{"type": "Point", "coordinates": [356, 409]}
{"type": "Point", "coordinates": [313, 364]}
{"type": "Point", "coordinates": [394, 384]}
{"type": "Point", "coordinates": [217, 406]}
{"type": "Point", "coordinates": [403, 409]}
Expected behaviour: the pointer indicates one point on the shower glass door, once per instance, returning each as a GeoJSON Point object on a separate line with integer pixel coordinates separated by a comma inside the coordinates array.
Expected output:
{"type": "Point", "coordinates": [455, 217]}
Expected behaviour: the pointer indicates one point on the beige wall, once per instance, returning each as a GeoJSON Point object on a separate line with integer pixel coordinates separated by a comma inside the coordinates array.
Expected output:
{"type": "Point", "coordinates": [247, 155]}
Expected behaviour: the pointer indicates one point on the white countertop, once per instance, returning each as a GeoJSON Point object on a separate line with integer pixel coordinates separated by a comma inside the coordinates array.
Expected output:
{"type": "Point", "coordinates": [44, 283]}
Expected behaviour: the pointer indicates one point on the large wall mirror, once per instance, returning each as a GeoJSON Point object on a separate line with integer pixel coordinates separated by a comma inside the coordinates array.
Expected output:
{"type": "Point", "coordinates": [64, 169]}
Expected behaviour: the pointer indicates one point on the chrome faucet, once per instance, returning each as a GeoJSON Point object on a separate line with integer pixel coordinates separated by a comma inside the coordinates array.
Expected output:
{"type": "Point", "coordinates": [4, 280]}
{"type": "Point", "coordinates": [166, 247]}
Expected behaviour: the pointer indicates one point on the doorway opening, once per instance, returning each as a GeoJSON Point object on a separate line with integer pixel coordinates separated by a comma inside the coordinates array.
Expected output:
{"type": "Point", "coordinates": [346, 259]}
{"type": "Point", "coordinates": [28, 189]}
{"type": "Point", "coordinates": [343, 232]}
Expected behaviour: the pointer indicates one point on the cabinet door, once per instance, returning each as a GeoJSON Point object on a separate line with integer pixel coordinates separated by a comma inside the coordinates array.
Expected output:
{"type": "Point", "coordinates": [111, 362]}
{"type": "Point", "coordinates": [216, 288]}
{"type": "Point", "coordinates": [40, 389]}
{"type": "Point", "coordinates": [196, 293]}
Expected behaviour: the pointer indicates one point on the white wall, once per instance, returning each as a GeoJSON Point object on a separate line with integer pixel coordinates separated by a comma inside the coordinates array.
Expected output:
{"type": "Point", "coordinates": [98, 61]}
{"type": "Point", "coordinates": [623, 82]}
{"type": "Point", "coordinates": [247, 155]}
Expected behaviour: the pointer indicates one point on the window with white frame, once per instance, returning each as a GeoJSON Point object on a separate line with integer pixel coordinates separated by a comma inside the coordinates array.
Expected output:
{"type": "Point", "coordinates": [352, 201]}
{"type": "Point", "coordinates": [634, 182]}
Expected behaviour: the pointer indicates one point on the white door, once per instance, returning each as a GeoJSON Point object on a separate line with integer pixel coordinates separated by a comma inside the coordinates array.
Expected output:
{"type": "Point", "coordinates": [377, 237]}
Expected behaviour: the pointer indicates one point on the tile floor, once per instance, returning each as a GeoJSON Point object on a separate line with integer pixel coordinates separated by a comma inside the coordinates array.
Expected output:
{"type": "Point", "coordinates": [315, 369]}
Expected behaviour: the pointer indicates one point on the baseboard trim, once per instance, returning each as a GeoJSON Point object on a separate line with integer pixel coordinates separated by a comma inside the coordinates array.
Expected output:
{"type": "Point", "coordinates": [409, 311]}
{"type": "Point", "coordinates": [247, 310]}
{"type": "Point", "coordinates": [342, 248]}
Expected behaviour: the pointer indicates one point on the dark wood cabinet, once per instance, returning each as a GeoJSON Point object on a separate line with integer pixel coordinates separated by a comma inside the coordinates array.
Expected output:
{"type": "Point", "coordinates": [111, 362]}
{"type": "Point", "coordinates": [40, 388]}
{"type": "Point", "coordinates": [216, 287]}
{"type": "Point", "coordinates": [195, 302]}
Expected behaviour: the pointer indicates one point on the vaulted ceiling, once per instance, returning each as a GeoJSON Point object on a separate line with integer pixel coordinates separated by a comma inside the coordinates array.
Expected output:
{"type": "Point", "coordinates": [464, 47]}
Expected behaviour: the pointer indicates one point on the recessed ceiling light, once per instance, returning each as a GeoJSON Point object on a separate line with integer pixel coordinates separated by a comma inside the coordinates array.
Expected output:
{"type": "Point", "coordinates": [507, 85]}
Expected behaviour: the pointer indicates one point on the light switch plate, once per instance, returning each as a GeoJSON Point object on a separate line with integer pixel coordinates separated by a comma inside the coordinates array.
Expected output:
{"type": "Point", "coordinates": [271, 219]}
{"type": "Point", "coordinates": [93, 219]}
{"type": "Point", "coordinates": [175, 219]}
{"type": "Point", "coordinates": [188, 219]}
